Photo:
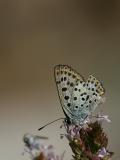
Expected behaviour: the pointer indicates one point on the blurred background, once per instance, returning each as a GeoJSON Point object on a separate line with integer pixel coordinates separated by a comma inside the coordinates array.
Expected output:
{"type": "Point", "coordinates": [34, 37]}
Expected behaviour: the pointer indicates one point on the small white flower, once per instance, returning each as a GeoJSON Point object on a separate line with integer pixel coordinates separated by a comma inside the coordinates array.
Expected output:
{"type": "Point", "coordinates": [102, 152]}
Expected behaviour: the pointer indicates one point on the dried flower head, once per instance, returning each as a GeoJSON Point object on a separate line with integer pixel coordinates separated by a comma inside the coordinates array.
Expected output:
{"type": "Point", "coordinates": [88, 142]}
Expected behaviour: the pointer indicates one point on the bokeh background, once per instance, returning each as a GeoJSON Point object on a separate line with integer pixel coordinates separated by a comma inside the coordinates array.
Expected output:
{"type": "Point", "coordinates": [35, 35]}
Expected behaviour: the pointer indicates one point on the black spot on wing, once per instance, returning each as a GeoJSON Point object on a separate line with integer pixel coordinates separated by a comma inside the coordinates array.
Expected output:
{"type": "Point", "coordinates": [65, 72]}
{"type": "Point", "coordinates": [64, 89]}
{"type": "Point", "coordinates": [84, 85]}
{"type": "Point", "coordinates": [87, 97]}
{"type": "Point", "coordinates": [68, 104]}
{"type": "Point", "coordinates": [61, 79]}
{"type": "Point", "coordinates": [68, 83]}
{"type": "Point", "coordinates": [83, 99]}
{"type": "Point", "coordinates": [58, 82]}
{"type": "Point", "coordinates": [57, 73]}
{"type": "Point", "coordinates": [66, 97]}
{"type": "Point", "coordinates": [73, 76]}
{"type": "Point", "coordinates": [76, 106]}
{"type": "Point", "coordinates": [75, 98]}
{"type": "Point", "coordinates": [65, 78]}
{"type": "Point", "coordinates": [71, 84]}
{"type": "Point", "coordinates": [75, 89]}
{"type": "Point", "coordinates": [90, 101]}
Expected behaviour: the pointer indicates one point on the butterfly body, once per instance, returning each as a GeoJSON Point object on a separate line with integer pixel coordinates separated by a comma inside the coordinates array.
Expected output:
{"type": "Point", "coordinates": [78, 97]}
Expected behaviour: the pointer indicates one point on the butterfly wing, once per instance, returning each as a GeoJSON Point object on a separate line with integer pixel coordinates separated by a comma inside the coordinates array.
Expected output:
{"type": "Point", "coordinates": [94, 85]}
{"type": "Point", "coordinates": [95, 91]}
{"type": "Point", "coordinates": [78, 97]}
{"type": "Point", "coordinates": [72, 92]}
{"type": "Point", "coordinates": [92, 96]}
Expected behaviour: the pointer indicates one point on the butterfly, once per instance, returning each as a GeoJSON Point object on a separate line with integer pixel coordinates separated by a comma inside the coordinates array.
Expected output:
{"type": "Point", "coordinates": [78, 97]}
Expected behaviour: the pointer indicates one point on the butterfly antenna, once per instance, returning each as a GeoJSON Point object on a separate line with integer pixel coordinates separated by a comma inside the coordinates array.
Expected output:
{"type": "Point", "coordinates": [49, 123]}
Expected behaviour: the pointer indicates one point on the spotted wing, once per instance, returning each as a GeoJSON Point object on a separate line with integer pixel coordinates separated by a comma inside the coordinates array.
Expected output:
{"type": "Point", "coordinates": [72, 91]}
{"type": "Point", "coordinates": [95, 91]}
